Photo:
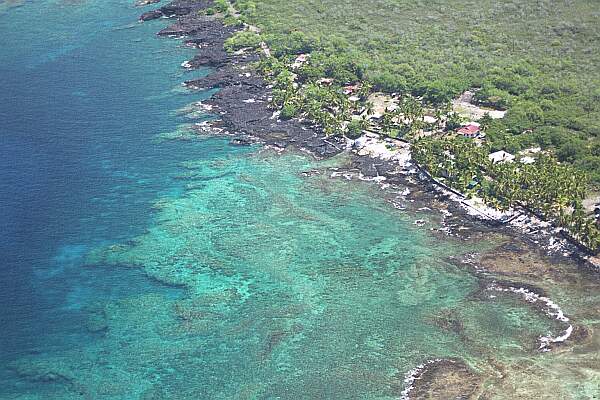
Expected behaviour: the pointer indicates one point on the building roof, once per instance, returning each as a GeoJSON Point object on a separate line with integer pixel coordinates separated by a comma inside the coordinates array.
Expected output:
{"type": "Point", "coordinates": [469, 130]}
{"type": "Point", "coordinates": [349, 89]}
{"type": "Point", "coordinates": [501, 156]}
{"type": "Point", "coordinates": [300, 60]}
{"type": "Point", "coordinates": [325, 81]}
{"type": "Point", "coordinates": [532, 150]}
{"type": "Point", "coordinates": [527, 160]}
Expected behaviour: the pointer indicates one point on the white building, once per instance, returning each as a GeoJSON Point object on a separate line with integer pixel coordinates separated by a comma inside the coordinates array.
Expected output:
{"type": "Point", "coordinates": [501, 156]}
{"type": "Point", "coordinates": [527, 160]}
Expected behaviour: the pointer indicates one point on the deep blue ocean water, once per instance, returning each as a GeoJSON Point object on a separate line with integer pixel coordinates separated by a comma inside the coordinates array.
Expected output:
{"type": "Point", "coordinates": [84, 89]}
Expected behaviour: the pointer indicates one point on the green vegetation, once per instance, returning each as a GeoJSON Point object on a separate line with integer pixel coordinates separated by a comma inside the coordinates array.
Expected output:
{"type": "Point", "coordinates": [355, 128]}
{"type": "Point", "coordinates": [241, 40]}
{"type": "Point", "coordinates": [327, 106]}
{"type": "Point", "coordinates": [545, 187]}
{"type": "Point", "coordinates": [218, 6]}
{"type": "Point", "coordinates": [538, 58]}
{"type": "Point", "coordinates": [535, 59]}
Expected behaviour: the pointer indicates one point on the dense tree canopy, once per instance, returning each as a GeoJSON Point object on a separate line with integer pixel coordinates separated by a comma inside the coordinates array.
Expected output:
{"type": "Point", "coordinates": [537, 58]}
{"type": "Point", "coordinates": [545, 187]}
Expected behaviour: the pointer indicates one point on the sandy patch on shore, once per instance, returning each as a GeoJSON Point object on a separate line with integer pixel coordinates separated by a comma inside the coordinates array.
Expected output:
{"type": "Point", "coordinates": [373, 145]}
{"type": "Point", "coordinates": [464, 107]}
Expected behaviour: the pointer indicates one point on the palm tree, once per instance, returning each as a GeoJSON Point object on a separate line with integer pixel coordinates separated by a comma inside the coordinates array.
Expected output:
{"type": "Point", "coordinates": [368, 108]}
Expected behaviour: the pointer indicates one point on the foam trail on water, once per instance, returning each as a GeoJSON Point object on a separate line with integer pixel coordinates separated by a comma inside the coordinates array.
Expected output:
{"type": "Point", "coordinates": [552, 309]}
{"type": "Point", "coordinates": [414, 374]}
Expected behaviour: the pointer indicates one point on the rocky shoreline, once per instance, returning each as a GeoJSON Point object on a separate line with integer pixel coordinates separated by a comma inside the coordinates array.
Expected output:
{"type": "Point", "coordinates": [241, 108]}
{"type": "Point", "coordinates": [241, 105]}
{"type": "Point", "coordinates": [242, 102]}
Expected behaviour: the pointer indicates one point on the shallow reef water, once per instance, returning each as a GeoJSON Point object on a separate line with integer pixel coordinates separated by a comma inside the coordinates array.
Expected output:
{"type": "Point", "coordinates": [190, 268]}
{"type": "Point", "coordinates": [295, 286]}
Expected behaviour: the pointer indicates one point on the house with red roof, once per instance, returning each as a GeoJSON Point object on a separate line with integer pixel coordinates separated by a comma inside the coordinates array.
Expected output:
{"type": "Point", "coordinates": [470, 131]}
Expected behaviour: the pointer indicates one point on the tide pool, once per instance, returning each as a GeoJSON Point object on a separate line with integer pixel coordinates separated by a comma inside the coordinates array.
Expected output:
{"type": "Point", "coordinates": [135, 267]}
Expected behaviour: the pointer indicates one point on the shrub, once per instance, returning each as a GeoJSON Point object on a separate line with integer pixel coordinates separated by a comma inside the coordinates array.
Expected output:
{"type": "Point", "coordinates": [288, 111]}
{"type": "Point", "coordinates": [220, 5]}
{"type": "Point", "coordinates": [355, 128]}
{"type": "Point", "coordinates": [242, 39]}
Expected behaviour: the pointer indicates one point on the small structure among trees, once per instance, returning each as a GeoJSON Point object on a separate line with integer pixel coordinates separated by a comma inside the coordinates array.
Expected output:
{"type": "Point", "coordinates": [470, 131]}
{"type": "Point", "coordinates": [501, 156]}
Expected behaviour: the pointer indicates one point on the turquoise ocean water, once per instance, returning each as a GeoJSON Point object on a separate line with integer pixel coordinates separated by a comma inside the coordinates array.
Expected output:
{"type": "Point", "coordinates": [137, 268]}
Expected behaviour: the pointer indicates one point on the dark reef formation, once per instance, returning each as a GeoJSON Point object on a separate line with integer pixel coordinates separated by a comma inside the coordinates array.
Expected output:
{"type": "Point", "coordinates": [446, 379]}
{"type": "Point", "coordinates": [243, 104]}
{"type": "Point", "coordinates": [177, 8]}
